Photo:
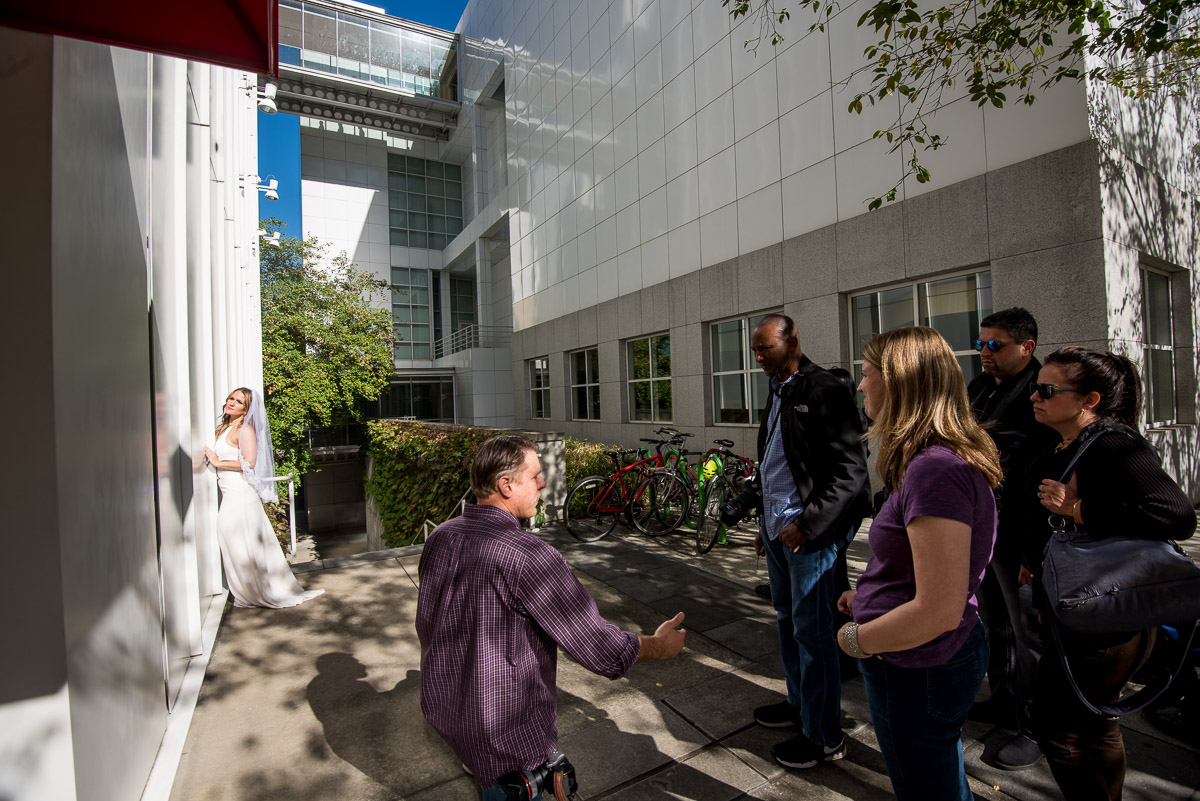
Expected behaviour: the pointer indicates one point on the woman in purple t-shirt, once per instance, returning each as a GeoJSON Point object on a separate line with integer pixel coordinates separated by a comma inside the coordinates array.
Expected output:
{"type": "Point", "coordinates": [915, 620]}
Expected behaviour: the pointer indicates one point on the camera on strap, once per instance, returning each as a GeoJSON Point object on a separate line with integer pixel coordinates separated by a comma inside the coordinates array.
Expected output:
{"type": "Point", "coordinates": [555, 777]}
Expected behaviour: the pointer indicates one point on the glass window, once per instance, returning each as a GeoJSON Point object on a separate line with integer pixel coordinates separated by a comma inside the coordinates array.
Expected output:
{"type": "Point", "coordinates": [953, 306]}
{"type": "Point", "coordinates": [420, 216]}
{"type": "Point", "coordinates": [739, 386]}
{"type": "Point", "coordinates": [539, 387]}
{"type": "Point", "coordinates": [411, 312]}
{"type": "Point", "coordinates": [349, 43]}
{"type": "Point", "coordinates": [585, 384]}
{"type": "Point", "coordinates": [429, 398]}
{"type": "Point", "coordinates": [1158, 345]}
{"type": "Point", "coordinates": [649, 364]}
{"type": "Point", "coordinates": [462, 303]}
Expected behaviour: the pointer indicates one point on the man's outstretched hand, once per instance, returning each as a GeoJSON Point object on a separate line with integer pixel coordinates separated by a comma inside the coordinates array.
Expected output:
{"type": "Point", "coordinates": [667, 641]}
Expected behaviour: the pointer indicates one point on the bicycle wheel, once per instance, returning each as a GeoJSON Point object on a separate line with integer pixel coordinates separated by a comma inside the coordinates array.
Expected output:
{"type": "Point", "coordinates": [710, 527]}
{"type": "Point", "coordinates": [659, 504]}
{"type": "Point", "coordinates": [589, 514]}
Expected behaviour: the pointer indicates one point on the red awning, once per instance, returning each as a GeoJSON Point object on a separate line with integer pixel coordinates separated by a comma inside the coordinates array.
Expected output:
{"type": "Point", "coordinates": [243, 34]}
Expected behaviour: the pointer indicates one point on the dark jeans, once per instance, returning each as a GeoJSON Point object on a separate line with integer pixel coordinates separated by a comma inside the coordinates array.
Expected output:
{"type": "Point", "coordinates": [918, 715]}
{"type": "Point", "coordinates": [802, 594]}
{"type": "Point", "coordinates": [1085, 750]}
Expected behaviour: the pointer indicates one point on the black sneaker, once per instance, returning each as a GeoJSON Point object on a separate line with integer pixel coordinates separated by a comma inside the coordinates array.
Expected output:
{"type": "Point", "coordinates": [777, 716]}
{"type": "Point", "coordinates": [1020, 753]}
{"type": "Point", "coordinates": [801, 752]}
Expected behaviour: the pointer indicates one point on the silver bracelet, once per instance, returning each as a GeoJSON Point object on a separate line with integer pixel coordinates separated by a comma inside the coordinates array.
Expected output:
{"type": "Point", "coordinates": [850, 638]}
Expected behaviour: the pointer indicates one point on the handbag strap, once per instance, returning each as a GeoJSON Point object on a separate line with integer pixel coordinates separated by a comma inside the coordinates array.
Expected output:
{"type": "Point", "coordinates": [1158, 683]}
{"type": "Point", "coordinates": [1083, 446]}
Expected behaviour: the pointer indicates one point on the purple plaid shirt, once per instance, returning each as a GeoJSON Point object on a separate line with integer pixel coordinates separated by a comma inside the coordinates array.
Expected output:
{"type": "Point", "coordinates": [494, 600]}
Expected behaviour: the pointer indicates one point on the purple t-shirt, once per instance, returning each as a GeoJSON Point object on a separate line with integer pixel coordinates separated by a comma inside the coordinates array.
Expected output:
{"type": "Point", "coordinates": [938, 483]}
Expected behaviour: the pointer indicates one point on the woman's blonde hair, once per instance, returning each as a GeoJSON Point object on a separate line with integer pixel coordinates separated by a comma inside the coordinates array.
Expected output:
{"type": "Point", "coordinates": [924, 403]}
{"type": "Point", "coordinates": [224, 420]}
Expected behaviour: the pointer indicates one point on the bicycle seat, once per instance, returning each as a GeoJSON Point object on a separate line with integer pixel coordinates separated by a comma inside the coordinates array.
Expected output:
{"type": "Point", "coordinates": [724, 443]}
{"type": "Point", "coordinates": [653, 441]}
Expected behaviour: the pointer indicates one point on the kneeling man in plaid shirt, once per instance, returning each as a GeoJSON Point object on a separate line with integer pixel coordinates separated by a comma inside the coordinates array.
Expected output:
{"type": "Point", "coordinates": [495, 603]}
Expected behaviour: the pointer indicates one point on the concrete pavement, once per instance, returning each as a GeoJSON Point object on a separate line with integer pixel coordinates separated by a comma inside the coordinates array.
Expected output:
{"type": "Point", "coordinates": [321, 701]}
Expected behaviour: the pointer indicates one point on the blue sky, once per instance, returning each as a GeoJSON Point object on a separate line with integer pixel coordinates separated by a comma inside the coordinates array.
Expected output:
{"type": "Point", "coordinates": [279, 134]}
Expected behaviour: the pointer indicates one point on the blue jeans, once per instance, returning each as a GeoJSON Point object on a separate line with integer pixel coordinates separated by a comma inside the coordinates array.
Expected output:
{"type": "Point", "coordinates": [802, 592]}
{"type": "Point", "coordinates": [918, 715]}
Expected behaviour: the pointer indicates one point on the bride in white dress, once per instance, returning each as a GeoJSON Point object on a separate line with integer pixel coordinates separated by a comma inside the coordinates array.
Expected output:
{"type": "Point", "coordinates": [255, 568]}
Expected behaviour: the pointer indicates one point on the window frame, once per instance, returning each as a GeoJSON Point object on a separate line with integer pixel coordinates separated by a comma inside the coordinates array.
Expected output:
{"type": "Point", "coordinates": [856, 360]}
{"type": "Point", "coordinates": [407, 288]}
{"type": "Point", "coordinates": [1147, 347]}
{"type": "Point", "coordinates": [749, 371]}
{"type": "Point", "coordinates": [631, 383]}
{"type": "Point", "coordinates": [591, 383]}
{"type": "Point", "coordinates": [441, 379]}
{"type": "Point", "coordinates": [534, 371]}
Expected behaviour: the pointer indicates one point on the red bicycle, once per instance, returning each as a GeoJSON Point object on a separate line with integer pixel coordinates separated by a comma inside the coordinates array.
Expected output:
{"type": "Point", "coordinates": [652, 501]}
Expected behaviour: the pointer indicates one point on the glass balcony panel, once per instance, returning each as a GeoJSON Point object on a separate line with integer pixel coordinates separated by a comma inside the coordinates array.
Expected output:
{"type": "Point", "coordinates": [291, 25]}
{"type": "Point", "coordinates": [320, 31]}
{"type": "Point", "coordinates": [385, 48]}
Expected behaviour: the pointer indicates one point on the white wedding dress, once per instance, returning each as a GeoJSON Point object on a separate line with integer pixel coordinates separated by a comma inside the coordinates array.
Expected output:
{"type": "Point", "coordinates": [255, 568]}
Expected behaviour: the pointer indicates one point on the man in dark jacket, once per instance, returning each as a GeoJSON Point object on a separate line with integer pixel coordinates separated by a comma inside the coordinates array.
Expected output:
{"type": "Point", "coordinates": [813, 470]}
{"type": "Point", "coordinates": [1000, 398]}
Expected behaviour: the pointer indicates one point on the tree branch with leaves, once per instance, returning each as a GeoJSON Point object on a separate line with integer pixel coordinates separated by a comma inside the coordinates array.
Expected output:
{"type": "Point", "coordinates": [327, 342]}
{"type": "Point", "coordinates": [996, 49]}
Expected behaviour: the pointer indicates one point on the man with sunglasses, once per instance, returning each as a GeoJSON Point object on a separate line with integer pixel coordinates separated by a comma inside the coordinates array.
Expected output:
{"type": "Point", "coordinates": [1000, 397]}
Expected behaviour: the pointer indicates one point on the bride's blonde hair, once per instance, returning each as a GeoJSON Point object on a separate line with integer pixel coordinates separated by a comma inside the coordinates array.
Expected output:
{"type": "Point", "coordinates": [924, 403]}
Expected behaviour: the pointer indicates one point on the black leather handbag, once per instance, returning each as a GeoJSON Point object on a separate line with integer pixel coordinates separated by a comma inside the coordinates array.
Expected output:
{"type": "Point", "coordinates": [1117, 585]}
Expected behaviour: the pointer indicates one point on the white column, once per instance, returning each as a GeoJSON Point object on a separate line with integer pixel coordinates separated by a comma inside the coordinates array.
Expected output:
{"type": "Point", "coordinates": [483, 283]}
{"type": "Point", "coordinates": [200, 194]}
{"type": "Point", "coordinates": [479, 138]}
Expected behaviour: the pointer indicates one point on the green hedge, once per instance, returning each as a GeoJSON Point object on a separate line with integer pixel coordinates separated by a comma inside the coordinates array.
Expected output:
{"type": "Point", "coordinates": [586, 459]}
{"type": "Point", "coordinates": [421, 471]}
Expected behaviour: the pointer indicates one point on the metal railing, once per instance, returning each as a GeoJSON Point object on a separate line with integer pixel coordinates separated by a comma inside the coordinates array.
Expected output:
{"type": "Point", "coordinates": [458, 508]}
{"type": "Point", "coordinates": [473, 336]}
{"type": "Point", "coordinates": [291, 507]}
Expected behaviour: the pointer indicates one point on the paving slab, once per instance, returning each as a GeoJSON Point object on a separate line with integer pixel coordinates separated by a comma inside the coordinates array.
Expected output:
{"type": "Point", "coordinates": [618, 748]}
{"type": "Point", "coordinates": [727, 702]}
{"type": "Point", "coordinates": [714, 774]}
{"type": "Point", "coordinates": [322, 701]}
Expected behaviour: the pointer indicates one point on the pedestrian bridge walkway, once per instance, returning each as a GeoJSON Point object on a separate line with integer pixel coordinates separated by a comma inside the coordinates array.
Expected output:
{"type": "Point", "coordinates": [321, 701]}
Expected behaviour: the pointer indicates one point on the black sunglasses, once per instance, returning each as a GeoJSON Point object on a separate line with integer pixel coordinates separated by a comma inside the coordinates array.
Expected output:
{"type": "Point", "coordinates": [994, 345]}
{"type": "Point", "coordinates": [1048, 391]}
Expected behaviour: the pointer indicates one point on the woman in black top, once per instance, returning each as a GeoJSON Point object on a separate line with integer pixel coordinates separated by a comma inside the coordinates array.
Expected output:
{"type": "Point", "coordinates": [1117, 487]}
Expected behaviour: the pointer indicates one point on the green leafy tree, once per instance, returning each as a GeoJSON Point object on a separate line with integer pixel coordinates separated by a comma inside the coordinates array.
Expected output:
{"type": "Point", "coordinates": [327, 342]}
{"type": "Point", "coordinates": [1000, 51]}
